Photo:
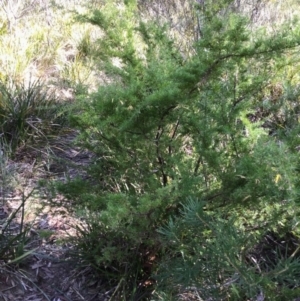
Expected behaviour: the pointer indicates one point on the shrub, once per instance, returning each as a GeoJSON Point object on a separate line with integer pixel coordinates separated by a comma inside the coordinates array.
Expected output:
{"type": "Point", "coordinates": [165, 128]}
{"type": "Point", "coordinates": [220, 260]}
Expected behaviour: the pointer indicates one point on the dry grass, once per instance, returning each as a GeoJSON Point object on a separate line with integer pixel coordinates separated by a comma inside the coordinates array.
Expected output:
{"type": "Point", "coordinates": [41, 41]}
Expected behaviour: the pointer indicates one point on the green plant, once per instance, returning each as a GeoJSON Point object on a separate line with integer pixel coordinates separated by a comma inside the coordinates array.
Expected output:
{"type": "Point", "coordinates": [14, 237]}
{"type": "Point", "coordinates": [222, 261]}
{"type": "Point", "coordinates": [165, 128]}
{"type": "Point", "coordinates": [123, 260]}
{"type": "Point", "coordinates": [28, 113]}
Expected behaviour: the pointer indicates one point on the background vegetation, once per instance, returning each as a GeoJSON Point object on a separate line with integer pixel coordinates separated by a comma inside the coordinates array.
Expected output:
{"type": "Point", "coordinates": [191, 113]}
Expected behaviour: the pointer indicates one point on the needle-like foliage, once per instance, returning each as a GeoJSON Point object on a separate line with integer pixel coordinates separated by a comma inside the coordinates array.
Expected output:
{"type": "Point", "coordinates": [210, 126]}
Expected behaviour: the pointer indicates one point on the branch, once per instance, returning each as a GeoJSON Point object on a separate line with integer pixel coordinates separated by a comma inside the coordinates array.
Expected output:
{"type": "Point", "coordinates": [173, 136]}
{"type": "Point", "coordinates": [159, 133]}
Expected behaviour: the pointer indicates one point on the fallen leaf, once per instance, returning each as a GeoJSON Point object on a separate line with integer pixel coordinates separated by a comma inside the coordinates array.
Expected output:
{"type": "Point", "coordinates": [37, 265]}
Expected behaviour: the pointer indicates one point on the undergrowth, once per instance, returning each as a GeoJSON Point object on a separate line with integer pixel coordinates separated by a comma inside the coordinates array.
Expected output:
{"type": "Point", "coordinates": [166, 128]}
{"type": "Point", "coordinates": [28, 114]}
{"type": "Point", "coordinates": [192, 120]}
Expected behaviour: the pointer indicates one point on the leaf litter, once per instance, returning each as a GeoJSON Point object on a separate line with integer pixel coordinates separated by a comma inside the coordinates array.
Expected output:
{"type": "Point", "coordinates": [47, 272]}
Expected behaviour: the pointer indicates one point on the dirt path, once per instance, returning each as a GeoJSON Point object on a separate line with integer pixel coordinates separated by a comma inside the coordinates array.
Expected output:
{"type": "Point", "coordinates": [47, 273]}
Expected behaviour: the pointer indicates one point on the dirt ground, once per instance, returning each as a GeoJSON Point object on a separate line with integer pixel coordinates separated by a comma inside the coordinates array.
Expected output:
{"type": "Point", "coordinates": [47, 272]}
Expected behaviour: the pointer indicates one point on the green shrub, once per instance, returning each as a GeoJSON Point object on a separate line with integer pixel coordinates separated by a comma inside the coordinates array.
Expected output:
{"type": "Point", "coordinates": [165, 128]}
{"type": "Point", "coordinates": [220, 260]}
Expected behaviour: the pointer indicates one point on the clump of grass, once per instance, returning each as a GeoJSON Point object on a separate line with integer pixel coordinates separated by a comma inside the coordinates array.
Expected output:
{"type": "Point", "coordinates": [14, 237]}
{"type": "Point", "coordinates": [28, 113]}
{"type": "Point", "coordinates": [14, 234]}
